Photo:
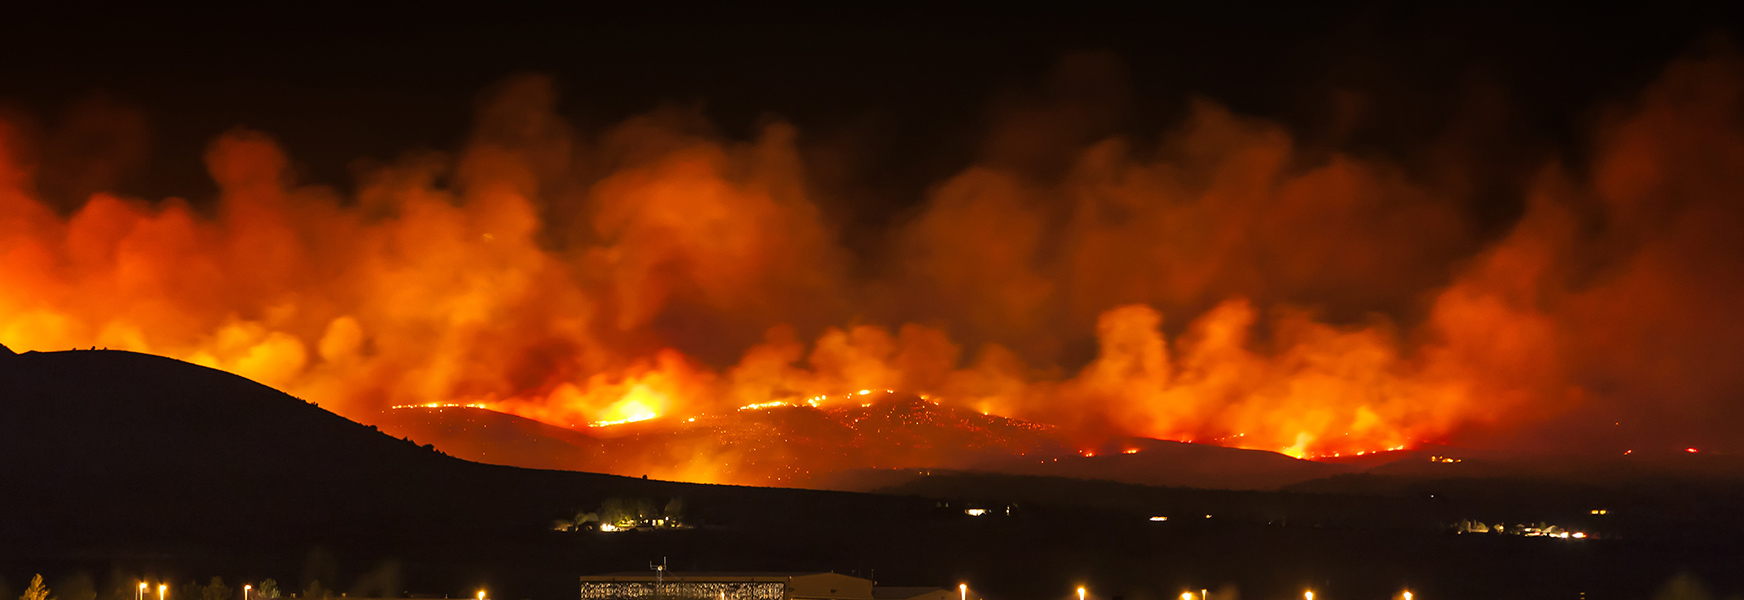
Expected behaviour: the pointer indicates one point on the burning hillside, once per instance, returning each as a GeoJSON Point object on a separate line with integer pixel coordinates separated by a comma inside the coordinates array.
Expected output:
{"type": "Point", "coordinates": [1236, 285]}
{"type": "Point", "coordinates": [859, 443]}
{"type": "Point", "coordinates": [776, 444]}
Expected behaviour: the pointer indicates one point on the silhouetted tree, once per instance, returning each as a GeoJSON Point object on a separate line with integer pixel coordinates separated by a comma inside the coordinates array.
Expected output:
{"type": "Point", "coordinates": [645, 511]}
{"type": "Point", "coordinates": [674, 511]}
{"type": "Point", "coordinates": [614, 511]}
{"type": "Point", "coordinates": [36, 591]}
{"type": "Point", "coordinates": [268, 589]}
{"type": "Point", "coordinates": [216, 590]}
{"type": "Point", "coordinates": [315, 591]}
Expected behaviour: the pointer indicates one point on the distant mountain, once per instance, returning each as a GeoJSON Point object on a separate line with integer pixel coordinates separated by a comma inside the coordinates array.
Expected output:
{"type": "Point", "coordinates": [491, 437]}
{"type": "Point", "coordinates": [1146, 461]}
{"type": "Point", "coordinates": [832, 446]}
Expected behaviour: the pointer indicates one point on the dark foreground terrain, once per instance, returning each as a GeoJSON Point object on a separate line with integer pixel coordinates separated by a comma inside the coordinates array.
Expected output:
{"type": "Point", "coordinates": [117, 467]}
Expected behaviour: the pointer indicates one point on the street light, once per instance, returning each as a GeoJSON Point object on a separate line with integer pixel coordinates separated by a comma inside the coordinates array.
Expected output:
{"type": "Point", "coordinates": [1080, 592]}
{"type": "Point", "coordinates": [1407, 594]}
{"type": "Point", "coordinates": [963, 589]}
{"type": "Point", "coordinates": [161, 588]}
{"type": "Point", "coordinates": [246, 588]}
{"type": "Point", "coordinates": [1309, 595]}
{"type": "Point", "coordinates": [141, 594]}
{"type": "Point", "coordinates": [1186, 595]}
{"type": "Point", "coordinates": [481, 595]}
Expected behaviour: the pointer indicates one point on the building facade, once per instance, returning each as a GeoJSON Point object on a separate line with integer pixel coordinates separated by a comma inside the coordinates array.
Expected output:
{"type": "Point", "coordinates": [651, 585]}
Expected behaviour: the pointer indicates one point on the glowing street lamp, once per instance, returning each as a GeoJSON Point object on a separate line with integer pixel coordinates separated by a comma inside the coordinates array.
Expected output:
{"type": "Point", "coordinates": [1407, 595]}
{"type": "Point", "coordinates": [481, 595]}
{"type": "Point", "coordinates": [1308, 595]}
{"type": "Point", "coordinates": [161, 588]}
{"type": "Point", "coordinates": [963, 589]}
{"type": "Point", "coordinates": [141, 594]}
{"type": "Point", "coordinates": [1080, 592]}
{"type": "Point", "coordinates": [245, 590]}
{"type": "Point", "coordinates": [1186, 595]}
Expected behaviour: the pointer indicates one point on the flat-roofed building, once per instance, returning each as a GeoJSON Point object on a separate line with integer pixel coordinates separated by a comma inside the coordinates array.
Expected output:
{"type": "Point", "coordinates": [648, 585]}
{"type": "Point", "coordinates": [920, 593]}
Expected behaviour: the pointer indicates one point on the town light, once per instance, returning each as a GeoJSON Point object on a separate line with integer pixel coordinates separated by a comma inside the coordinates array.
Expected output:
{"type": "Point", "coordinates": [1186, 595]}
{"type": "Point", "coordinates": [141, 594]}
{"type": "Point", "coordinates": [161, 588]}
{"type": "Point", "coordinates": [963, 589]}
{"type": "Point", "coordinates": [481, 595]}
{"type": "Point", "coordinates": [1080, 592]}
{"type": "Point", "coordinates": [245, 590]}
{"type": "Point", "coordinates": [1308, 595]}
{"type": "Point", "coordinates": [1407, 594]}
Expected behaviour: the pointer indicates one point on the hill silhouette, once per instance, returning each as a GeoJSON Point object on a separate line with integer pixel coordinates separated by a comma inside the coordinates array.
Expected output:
{"type": "Point", "coordinates": [491, 437]}
{"type": "Point", "coordinates": [121, 448]}
{"type": "Point", "coordinates": [825, 447]}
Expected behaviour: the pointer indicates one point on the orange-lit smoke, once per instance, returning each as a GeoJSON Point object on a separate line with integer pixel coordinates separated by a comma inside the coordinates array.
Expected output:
{"type": "Point", "coordinates": [1237, 286]}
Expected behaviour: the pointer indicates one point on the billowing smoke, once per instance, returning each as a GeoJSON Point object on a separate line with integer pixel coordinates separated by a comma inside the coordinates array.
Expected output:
{"type": "Point", "coordinates": [1224, 282]}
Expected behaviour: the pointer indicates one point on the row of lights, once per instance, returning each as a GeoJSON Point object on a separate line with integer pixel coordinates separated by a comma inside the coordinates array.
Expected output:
{"type": "Point", "coordinates": [962, 589]}
{"type": "Point", "coordinates": [163, 590]}
{"type": "Point", "coordinates": [246, 589]}
{"type": "Point", "coordinates": [1203, 594]}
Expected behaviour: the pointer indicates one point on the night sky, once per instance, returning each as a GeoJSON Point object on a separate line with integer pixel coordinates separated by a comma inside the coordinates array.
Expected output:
{"type": "Point", "coordinates": [912, 87]}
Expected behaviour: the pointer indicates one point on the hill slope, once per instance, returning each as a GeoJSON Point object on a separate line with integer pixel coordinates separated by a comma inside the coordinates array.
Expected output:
{"type": "Point", "coordinates": [491, 437]}
{"type": "Point", "coordinates": [123, 447]}
{"type": "Point", "coordinates": [825, 447]}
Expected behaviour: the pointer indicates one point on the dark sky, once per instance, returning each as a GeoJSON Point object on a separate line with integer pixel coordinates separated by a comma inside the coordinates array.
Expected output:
{"type": "Point", "coordinates": [335, 84]}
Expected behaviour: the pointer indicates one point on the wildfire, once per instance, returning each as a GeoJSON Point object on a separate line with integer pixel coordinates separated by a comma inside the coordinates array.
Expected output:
{"type": "Point", "coordinates": [653, 270]}
{"type": "Point", "coordinates": [629, 419]}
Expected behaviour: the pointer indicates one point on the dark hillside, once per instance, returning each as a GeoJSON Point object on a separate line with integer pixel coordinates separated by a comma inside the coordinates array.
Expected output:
{"type": "Point", "coordinates": [491, 437]}
{"type": "Point", "coordinates": [124, 448]}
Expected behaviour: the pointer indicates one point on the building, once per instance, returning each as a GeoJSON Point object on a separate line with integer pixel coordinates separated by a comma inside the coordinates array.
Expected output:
{"type": "Point", "coordinates": [919, 593]}
{"type": "Point", "coordinates": [652, 585]}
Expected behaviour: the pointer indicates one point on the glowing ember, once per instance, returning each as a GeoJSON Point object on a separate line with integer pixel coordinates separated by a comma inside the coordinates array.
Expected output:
{"type": "Point", "coordinates": [633, 419]}
{"type": "Point", "coordinates": [438, 405]}
{"type": "Point", "coordinates": [631, 411]}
